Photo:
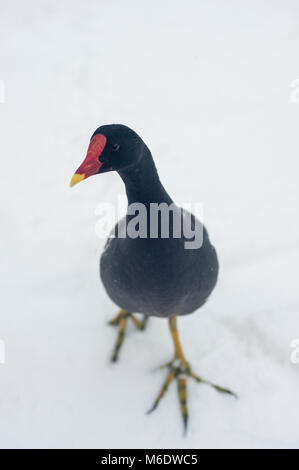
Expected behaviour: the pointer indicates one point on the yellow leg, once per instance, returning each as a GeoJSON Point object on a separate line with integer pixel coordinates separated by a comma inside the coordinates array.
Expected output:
{"type": "Point", "coordinates": [121, 320]}
{"type": "Point", "coordinates": [179, 369]}
{"type": "Point", "coordinates": [139, 324]}
{"type": "Point", "coordinates": [178, 350]}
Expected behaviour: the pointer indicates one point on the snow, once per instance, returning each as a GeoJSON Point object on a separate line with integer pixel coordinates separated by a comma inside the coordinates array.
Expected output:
{"type": "Point", "coordinates": [207, 85]}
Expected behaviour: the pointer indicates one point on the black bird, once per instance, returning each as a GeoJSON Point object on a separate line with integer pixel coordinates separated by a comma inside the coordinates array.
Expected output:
{"type": "Point", "coordinates": [151, 269]}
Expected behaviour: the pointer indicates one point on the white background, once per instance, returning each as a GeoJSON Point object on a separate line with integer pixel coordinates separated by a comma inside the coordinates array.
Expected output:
{"type": "Point", "coordinates": [207, 86]}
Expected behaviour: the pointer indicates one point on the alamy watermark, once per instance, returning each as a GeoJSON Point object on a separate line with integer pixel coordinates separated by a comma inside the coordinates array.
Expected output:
{"type": "Point", "coordinates": [154, 220]}
{"type": "Point", "coordinates": [294, 357]}
{"type": "Point", "coordinates": [294, 95]}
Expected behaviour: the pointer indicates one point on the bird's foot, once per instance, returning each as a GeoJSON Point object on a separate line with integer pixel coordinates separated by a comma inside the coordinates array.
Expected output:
{"type": "Point", "coordinates": [121, 320]}
{"type": "Point", "coordinates": [180, 370]}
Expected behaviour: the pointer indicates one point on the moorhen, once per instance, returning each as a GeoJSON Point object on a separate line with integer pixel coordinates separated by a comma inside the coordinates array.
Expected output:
{"type": "Point", "coordinates": [151, 269]}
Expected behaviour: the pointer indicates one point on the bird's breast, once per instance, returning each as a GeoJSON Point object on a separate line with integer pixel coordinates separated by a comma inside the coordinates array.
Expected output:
{"type": "Point", "coordinates": [158, 276]}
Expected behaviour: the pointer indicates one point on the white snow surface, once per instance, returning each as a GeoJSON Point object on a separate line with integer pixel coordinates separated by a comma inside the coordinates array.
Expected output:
{"type": "Point", "coordinates": [207, 86]}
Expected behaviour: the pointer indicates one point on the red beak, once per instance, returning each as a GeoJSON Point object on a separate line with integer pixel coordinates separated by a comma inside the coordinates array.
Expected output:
{"type": "Point", "coordinates": [91, 164]}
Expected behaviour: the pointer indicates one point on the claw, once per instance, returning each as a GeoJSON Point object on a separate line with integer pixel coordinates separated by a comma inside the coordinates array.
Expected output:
{"type": "Point", "coordinates": [182, 392]}
{"type": "Point", "coordinates": [166, 365]}
{"type": "Point", "coordinates": [216, 387]}
{"type": "Point", "coordinates": [227, 391]}
{"type": "Point", "coordinates": [144, 322]}
{"type": "Point", "coordinates": [115, 320]}
{"type": "Point", "coordinates": [180, 370]}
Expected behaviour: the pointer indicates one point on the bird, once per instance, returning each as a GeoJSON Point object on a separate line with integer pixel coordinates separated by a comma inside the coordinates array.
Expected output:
{"type": "Point", "coordinates": [147, 266]}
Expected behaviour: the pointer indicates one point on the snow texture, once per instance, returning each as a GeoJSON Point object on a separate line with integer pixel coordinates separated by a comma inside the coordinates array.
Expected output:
{"type": "Point", "coordinates": [207, 84]}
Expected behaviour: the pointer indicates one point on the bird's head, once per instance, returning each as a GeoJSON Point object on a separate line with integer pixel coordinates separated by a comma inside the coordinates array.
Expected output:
{"type": "Point", "coordinates": [112, 147]}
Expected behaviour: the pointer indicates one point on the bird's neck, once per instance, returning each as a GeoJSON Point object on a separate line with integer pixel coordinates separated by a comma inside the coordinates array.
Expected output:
{"type": "Point", "coordinates": [142, 181]}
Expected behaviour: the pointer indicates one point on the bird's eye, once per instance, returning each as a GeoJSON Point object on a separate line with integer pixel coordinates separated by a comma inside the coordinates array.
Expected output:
{"type": "Point", "coordinates": [115, 147]}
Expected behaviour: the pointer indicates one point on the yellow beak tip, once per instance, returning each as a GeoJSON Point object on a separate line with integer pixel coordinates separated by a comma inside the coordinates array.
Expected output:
{"type": "Point", "coordinates": [76, 179]}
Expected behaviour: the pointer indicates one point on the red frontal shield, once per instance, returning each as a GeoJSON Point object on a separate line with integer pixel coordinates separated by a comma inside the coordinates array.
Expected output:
{"type": "Point", "coordinates": [91, 163]}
